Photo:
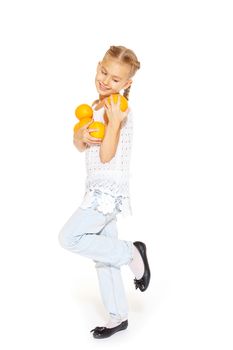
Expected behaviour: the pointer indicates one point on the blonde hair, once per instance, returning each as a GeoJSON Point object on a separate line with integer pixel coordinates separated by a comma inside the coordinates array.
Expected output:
{"type": "Point", "coordinates": [126, 56]}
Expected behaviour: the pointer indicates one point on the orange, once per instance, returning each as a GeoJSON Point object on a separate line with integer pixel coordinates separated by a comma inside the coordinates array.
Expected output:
{"type": "Point", "coordinates": [82, 122]}
{"type": "Point", "coordinates": [100, 133]}
{"type": "Point", "coordinates": [83, 111]}
{"type": "Point", "coordinates": [123, 103]}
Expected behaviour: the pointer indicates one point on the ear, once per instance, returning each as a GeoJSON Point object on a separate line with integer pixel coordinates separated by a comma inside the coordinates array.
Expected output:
{"type": "Point", "coordinates": [127, 84]}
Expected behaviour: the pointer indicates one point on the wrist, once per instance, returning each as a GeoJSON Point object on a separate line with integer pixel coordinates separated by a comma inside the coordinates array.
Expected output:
{"type": "Point", "coordinates": [114, 125]}
{"type": "Point", "coordinates": [79, 142]}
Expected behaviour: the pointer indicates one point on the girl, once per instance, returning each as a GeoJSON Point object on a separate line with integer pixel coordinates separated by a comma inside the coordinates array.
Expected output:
{"type": "Point", "coordinates": [92, 229]}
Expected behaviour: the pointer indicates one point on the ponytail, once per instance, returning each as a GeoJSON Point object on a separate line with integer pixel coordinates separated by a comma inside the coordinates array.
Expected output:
{"type": "Point", "coordinates": [126, 92]}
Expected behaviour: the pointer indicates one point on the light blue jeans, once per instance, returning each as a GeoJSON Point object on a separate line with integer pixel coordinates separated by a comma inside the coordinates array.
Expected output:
{"type": "Point", "coordinates": [93, 234]}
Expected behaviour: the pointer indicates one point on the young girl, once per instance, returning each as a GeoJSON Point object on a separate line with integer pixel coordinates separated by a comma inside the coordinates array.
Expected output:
{"type": "Point", "coordinates": [92, 229]}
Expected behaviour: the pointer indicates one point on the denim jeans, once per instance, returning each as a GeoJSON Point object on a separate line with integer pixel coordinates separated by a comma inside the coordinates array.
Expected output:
{"type": "Point", "coordinates": [93, 234]}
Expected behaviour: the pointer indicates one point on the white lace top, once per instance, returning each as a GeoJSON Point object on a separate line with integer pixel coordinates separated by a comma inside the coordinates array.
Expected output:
{"type": "Point", "coordinates": [107, 184]}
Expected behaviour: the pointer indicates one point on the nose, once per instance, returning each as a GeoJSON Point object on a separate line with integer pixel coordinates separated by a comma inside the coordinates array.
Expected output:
{"type": "Point", "coordinates": [106, 80]}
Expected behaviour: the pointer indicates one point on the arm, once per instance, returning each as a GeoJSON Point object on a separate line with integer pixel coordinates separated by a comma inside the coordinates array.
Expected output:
{"type": "Point", "coordinates": [109, 144]}
{"type": "Point", "coordinates": [82, 139]}
{"type": "Point", "coordinates": [112, 133]}
{"type": "Point", "coordinates": [79, 144]}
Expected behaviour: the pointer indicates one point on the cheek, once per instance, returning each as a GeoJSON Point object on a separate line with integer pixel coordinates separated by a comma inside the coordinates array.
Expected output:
{"type": "Point", "coordinates": [117, 86]}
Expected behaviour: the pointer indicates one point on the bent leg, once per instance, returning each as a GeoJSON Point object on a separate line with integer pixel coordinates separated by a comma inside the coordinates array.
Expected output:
{"type": "Point", "coordinates": [81, 234]}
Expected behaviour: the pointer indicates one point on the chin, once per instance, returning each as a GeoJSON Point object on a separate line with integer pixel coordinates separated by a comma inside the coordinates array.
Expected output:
{"type": "Point", "coordinates": [103, 94]}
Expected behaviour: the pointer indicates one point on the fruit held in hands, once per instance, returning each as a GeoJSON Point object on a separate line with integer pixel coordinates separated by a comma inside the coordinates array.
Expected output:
{"type": "Point", "coordinates": [84, 111]}
{"type": "Point", "coordinates": [123, 103]}
{"type": "Point", "coordinates": [100, 133]}
{"type": "Point", "coordinates": [82, 122]}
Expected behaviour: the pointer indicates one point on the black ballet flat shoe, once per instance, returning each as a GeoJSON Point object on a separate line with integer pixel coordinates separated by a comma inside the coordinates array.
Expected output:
{"type": "Point", "coordinates": [104, 332]}
{"type": "Point", "coordinates": [143, 283]}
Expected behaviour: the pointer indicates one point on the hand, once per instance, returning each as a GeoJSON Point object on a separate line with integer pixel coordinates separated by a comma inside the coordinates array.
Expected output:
{"type": "Point", "coordinates": [83, 135]}
{"type": "Point", "coordinates": [114, 113]}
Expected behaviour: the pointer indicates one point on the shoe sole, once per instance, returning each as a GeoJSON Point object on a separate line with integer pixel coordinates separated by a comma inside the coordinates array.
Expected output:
{"type": "Point", "coordinates": [142, 250]}
{"type": "Point", "coordinates": [101, 336]}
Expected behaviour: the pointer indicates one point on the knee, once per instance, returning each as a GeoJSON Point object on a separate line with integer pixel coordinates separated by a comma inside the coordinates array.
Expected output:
{"type": "Point", "coordinates": [66, 239]}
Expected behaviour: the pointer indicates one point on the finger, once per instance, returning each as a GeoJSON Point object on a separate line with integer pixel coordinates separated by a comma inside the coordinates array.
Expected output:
{"type": "Point", "coordinates": [85, 126]}
{"type": "Point", "coordinates": [89, 123]}
{"type": "Point", "coordinates": [90, 138]}
{"type": "Point", "coordinates": [94, 143]}
{"type": "Point", "coordinates": [90, 130]}
{"type": "Point", "coordinates": [107, 104]}
{"type": "Point", "coordinates": [118, 101]}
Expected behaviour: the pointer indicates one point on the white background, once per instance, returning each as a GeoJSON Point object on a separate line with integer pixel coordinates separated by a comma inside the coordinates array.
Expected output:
{"type": "Point", "coordinates": [181, 180]}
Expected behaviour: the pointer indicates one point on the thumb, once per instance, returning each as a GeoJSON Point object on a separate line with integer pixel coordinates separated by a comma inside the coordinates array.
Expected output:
{"type": "Point", "coordinates": [85, 126]}
{"type": "Point", "coordinates": [89, 123]}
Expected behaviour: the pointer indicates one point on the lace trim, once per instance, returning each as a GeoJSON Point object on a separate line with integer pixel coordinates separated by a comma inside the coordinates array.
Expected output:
{"type": "Point", "coordinates": [106, 203]}
{"type": "Point", "coordinates": [109, 184]}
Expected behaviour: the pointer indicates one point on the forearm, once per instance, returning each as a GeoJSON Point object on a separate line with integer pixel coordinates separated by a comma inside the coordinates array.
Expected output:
{"type": "Point", "coordinates": [109, 144]}
{"type": "Point", "coordinates": [80, 145]}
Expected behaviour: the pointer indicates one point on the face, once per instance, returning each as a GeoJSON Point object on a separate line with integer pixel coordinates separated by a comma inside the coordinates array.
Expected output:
{"type": "Point", "coordinates": [112, 76]}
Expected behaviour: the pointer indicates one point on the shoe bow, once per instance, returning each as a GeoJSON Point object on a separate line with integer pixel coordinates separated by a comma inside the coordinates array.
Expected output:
{"type": "Point", "coordinates": [139, 283]}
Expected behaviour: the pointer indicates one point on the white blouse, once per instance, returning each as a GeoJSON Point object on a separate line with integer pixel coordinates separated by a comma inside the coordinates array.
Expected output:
{"type": "Point", "coordinates": [107, 184]}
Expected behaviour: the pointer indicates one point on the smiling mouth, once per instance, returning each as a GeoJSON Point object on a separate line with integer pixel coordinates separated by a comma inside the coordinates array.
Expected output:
{"type": "Point", "coordinates": [102, 87]}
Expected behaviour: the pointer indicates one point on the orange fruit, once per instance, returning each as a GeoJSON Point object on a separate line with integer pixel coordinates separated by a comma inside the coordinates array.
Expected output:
{"type": "Point", "coordinates": [83, 111]}
{"type": "Point", "coordinates": [100, 133]}
{"type": "Point", "coordinates": [123, 103]}
{"type": "Point", "coordinates": [82, 122]}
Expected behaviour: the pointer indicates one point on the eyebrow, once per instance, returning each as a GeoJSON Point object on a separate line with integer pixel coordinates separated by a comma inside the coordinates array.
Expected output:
{"type": "Point", "coordinates": [114, 76]}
